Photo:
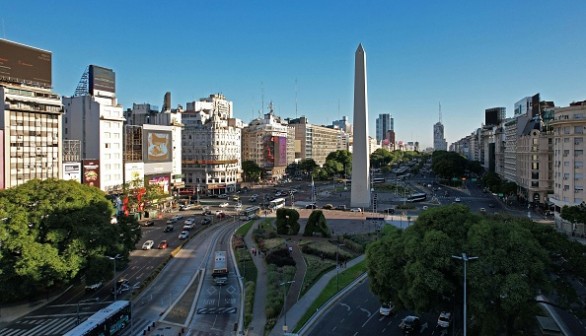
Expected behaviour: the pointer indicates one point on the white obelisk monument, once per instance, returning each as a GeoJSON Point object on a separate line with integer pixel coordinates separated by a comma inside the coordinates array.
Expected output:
{"type": "Point", "coordinates": [360, 194]}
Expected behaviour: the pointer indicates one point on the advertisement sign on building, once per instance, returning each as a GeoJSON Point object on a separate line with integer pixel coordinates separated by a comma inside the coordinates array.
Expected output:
{"type": "Point", "coordinates": [158, 146]}
{"type": "Point", "coordinates": [23, 64]}
{"type": "Point", "coordinates": [101, 79]}
{"type": "Point", "coordinates": [280, 151]}
{"type": "Point", "coordinates": [133, 172]}
{"type": "Point", "coordinates": [164, 181]}
{"type": "Point", "coordinates": [91, 173]}
{"type": "Point", "coordinates": [72, 171]}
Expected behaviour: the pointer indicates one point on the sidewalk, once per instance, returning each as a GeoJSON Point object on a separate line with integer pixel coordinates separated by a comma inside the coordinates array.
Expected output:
{"type": "Point", "coordinates": [300, 270]}
{"type": "Point", "coordinates": [296, 312]}
{"type": "Point", "coordinates": [257, 325]}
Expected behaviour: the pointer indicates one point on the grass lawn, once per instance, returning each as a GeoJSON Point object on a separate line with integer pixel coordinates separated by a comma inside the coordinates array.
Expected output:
{"type": "Point", "coordinates": [315, 269]}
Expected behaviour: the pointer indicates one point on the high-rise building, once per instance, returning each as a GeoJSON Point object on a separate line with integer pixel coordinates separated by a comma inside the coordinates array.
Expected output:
{"type": "Point", "coordinates": [211, 145]}
{"type": "Point", "coordinates": [313, 141]}
{"type": "Point", "coordinates": [384, 124]}
{"type": "Point", "coordinates": [439, 142]}
{"type": "Point", "coordinates": [264, 141]}
{"type": "Point", "coordinates": [343, 124]}
{"type": "Point", "coordinates": [30, 116]}
{"type": "Point", "coordinates": [494, 116]}
{"type": "Point", "coordinates": [94, 117]}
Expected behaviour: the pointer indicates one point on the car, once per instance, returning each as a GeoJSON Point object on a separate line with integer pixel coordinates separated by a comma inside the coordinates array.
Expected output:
{"type": "Point", "coordinates": [189, 226]}
{"type": "Point", "coordinates": [206, 212]}
{"type": "Point", "coordinates": [235, 198]}
{"type": "Point", "coordinates": [483, 210]}
{"type": "Point", "coordinates": [311, 206]}
{"type": "Point", "coordinates": [171, 221]}
{"type": "Point", "coordinates": [189, 221]}
{"type": "Point", "coordinates": [169, 228]}
{"type": "Point", "coordinates": [93, 287]}
{"type": "Point", "coordinates": [148, 244]}
{"type": "Point", "coordinates": [222, 196]}
{"type": "Point", "coordinates": [444, 320]}
{"type": "Point", "coordinates": [205, 207]}
{"type": "Point", "coordinates": [252, 199]}
{"type": "Point", "coordinates": [218, 212]}
{"type": "Point", "coordinates": [410, 324]}
{"type": "Point", "coordinates": [389, 211]}
{"type": "Point", "coordinates": [341, 207]}
{"type": "Point", "coordinates": [254, 195]}
{"type": "Point", "coordinates": [328, 207]}
{"type": "Point", "coordinates": [457, 200]}
{"type": "Point", "coordinates": [122, 286]}
{"type": "Point", "coordinates": [206, 221]}
{"type": "Point", "coordinates": [148, 223]}
{"type": "Point", "coordinates": [238, 206]}
{"type": "Point", "coordinates": [183, 235]}
{"type": "Point", "coordinates": [177, 217]}
{"type": "Point", "coordinates": [386, 309]}
{"type": "Point", "coordinates": [187, 207]}
{"type": "Point", "coordinates": [425, 207]}
{"type": "Point", "coordinates": [355, 210]}
{"type": "Point", "coordinates": [223, 205]}
{"type": "Point", "coordinates": [163, 245]}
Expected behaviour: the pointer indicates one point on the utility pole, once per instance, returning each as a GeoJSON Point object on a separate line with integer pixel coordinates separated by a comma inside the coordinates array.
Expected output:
{"type": "Point", "coordinates": [465, 259]}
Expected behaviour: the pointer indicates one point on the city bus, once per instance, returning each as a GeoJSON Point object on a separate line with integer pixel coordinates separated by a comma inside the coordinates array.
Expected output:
{"type": "Point", "coordinates": [220, 270]}
{"type": "Point", "coordinates": [108, 321]}
{"type": "Point", "coordinates": [419, 197]}
{"type": "Point", "coordinates": [249, 213]}
{"type": "Point", "coordinates": [277, 203]}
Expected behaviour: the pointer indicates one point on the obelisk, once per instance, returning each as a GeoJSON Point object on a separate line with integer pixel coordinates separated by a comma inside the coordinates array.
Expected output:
{"type": "Point", "coordinates": [360, 192]}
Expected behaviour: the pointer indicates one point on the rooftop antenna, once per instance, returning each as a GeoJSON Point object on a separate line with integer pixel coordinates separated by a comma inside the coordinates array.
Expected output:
{"type": "Point", "coordinates": [440, 112]}
{"type": "Point", "coordinates": [295, 97]}
{"type": "Point", "coordinates": [262, 99]}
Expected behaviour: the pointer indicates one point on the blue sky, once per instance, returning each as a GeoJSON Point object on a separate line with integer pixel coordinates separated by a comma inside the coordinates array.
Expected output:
{"type": "Point", "coordinates": [468, 55]}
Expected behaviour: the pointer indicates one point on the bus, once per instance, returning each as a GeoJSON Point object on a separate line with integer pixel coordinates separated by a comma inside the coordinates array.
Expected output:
{"type": "Point", "coordinates": [249, 213]}
{"type": "Point", "coordinates": [220, 271]}
{"type": "Point", "coordinates": [277, 203]}
{"type": "Point", "coordinates": [108, 321]}
{"type": "Point", "coordinates": [419, 197]}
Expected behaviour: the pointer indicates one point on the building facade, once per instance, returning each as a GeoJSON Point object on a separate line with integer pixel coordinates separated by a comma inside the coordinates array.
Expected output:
{"type": "Point", "coordinates": [384, 123]}
{"type": "Point", "coordinates": [439, 141]}
{"type": "Point", "coordinates": [313, 141]}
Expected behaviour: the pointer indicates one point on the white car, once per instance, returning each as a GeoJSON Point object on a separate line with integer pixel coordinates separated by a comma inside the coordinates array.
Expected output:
{"type": "Point", "coordinates": [189, 221]}
{"type": "Point", "coordinates": [386, 309]}
{"type": "Point", "coordinates": [148, 245]}
{"type": "Point", "coordinates": [223, 205]}
{"type": "Point", "coordinates": [183, 235]}
{"type": "Point", "coordinates": [457, 199]}
{"type": "Point", "coordinates": [425, 207]}
{"type": "Point", "coordinates": [219, 212]}
{"type": "Point", "coordinates": [355, 210]}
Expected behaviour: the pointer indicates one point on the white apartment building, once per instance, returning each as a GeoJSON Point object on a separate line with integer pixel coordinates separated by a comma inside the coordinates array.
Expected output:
{"type": "Point", "coordinates": [94, 117]}
{"type": "Point", "coordinates": [211, 145]}
{"type": "Point", "coordinates": [313, 141]}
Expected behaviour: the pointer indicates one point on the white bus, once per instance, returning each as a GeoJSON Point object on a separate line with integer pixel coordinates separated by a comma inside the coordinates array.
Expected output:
{"type": "Point", "coordinates": [220, 271]}
{"type": "Point", "coordinates": [249, 213]}
{"type": "Point", "coordinates": [277, 203]}
{"type": "Point", "coordinates": [109, 321]}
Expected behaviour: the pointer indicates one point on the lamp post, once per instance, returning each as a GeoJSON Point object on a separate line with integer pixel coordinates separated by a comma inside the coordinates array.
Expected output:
{"type": "Point", "coordinates": [283, 284]}
{"type": "Point", "coordinates": [117, 256]}
{"type": "Point", "coordinates": [84, 301]}
{"type": "Point", "coordinates": [337, 265]}
{"type": "Point", "coordinates": [465, 259]}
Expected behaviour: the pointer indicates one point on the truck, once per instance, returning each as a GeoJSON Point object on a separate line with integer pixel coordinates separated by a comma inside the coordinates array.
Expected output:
{"type": "Point", "coordinates": [220, 270]}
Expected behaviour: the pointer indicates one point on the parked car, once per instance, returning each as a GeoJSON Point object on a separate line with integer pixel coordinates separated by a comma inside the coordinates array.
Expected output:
{"type": "Point", "coordinates": [169, 228]}
{"type": "Point", "coordinates": [148, 223]}
{"type": "Point", "coordinates": [163, 244]}
{"type": "Point", "coordinates": [148, 245]}
{"type": "Point", "coordinates": [386, 309]}
{"type": "Point", "coordinates": [328, 207]}
{"type": "Point", "coordinates": [183, 235]}
{"type": "Point", "coordinates": [223, 205]}
{"type": "Point", "coordinates": [355, 209]}
{"type": "Point", "coordinates": [206, 221]}
{"type": "Point", "coordinates": [444, 319]}
{"type": "Point", "coordinates": [410, 324]}
{"type": "Point", "coordinates": [311, 206]}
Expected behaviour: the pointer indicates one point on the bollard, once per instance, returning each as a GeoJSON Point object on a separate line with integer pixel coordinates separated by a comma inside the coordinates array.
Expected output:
{"type": "Point", "coordinates": [144, 332]}
{"type": "Point", "coordinates": [154, 324]}
{"type": "Point", "coordinates": [149, 328]}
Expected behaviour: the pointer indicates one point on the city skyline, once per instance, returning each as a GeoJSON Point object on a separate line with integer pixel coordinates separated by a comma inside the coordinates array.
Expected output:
{"type": "Point", "coordinates": [470, 57]}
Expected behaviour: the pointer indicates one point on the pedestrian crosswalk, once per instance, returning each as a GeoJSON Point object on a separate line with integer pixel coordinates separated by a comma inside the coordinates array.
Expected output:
{"type": "Point", "coordinates": [40, 327]}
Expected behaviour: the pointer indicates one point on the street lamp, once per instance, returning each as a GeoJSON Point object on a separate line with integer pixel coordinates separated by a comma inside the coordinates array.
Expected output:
{"type": "Point", "coordinates": [337, 264]}
{"type": "Point", "coordinates": [117, 256]}
{"type": "Point", "coordinates": [464, 258]}
{"type": "Point", "coordinates": [285, 303]}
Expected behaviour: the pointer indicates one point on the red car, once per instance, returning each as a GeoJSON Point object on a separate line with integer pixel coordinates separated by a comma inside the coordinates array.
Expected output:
{"type": "Point", "coordinates": [163, 244]}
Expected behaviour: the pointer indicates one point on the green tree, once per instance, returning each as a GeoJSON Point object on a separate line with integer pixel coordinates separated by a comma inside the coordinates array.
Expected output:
{"type": "Point", "coordinates": [287, 221]}
{"type": "Point", "coordinates": [316, 223]}
{"type": "Point", "coordinates": [307, 166]}
{"type": "Point", "coordinates": [381, 158]}
{"type": "Point", "coordinates": [251, 172]}
{"type": "Point", "coordinates": [49, 231]}
{"type": "Point", "coordinates": [448, 164]}
{"type": "Point", "coordinates": [415, 268]}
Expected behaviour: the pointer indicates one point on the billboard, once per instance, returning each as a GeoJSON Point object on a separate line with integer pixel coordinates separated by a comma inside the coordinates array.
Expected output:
{"type": "Point", "coordinates": [101, 79]}
{"type": "Point", "coordinates": [72, 171]}
{"type": "Point", "coordinates": [23, 64]}
{"type": "Point", "coordinates": [158, 146]}
{"type": "Point", "coordinates": [268, 152]}
{"type": "Point", "coordinates": [91, 173]}
{"type": "Point", "coordinates": [133, 172]}
{"type": "Point", "coordinates": [280, 146]}
{"type": "Point", "coordinates": [163, 180]}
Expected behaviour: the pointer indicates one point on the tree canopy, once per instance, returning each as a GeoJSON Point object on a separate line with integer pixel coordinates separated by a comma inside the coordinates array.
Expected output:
{"type": "Point", "coordinates": [50, 232]}
{"type": "Point", "coordinates": [287, 221]}
{"type": "Point", "coordinates": [415, 269]}
{"type": "Point", "coordinates": [251, 172]}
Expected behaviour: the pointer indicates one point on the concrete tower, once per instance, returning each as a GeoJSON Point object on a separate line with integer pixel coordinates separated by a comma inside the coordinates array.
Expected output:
{"type": "Point", "coordinates": [360, 195]}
